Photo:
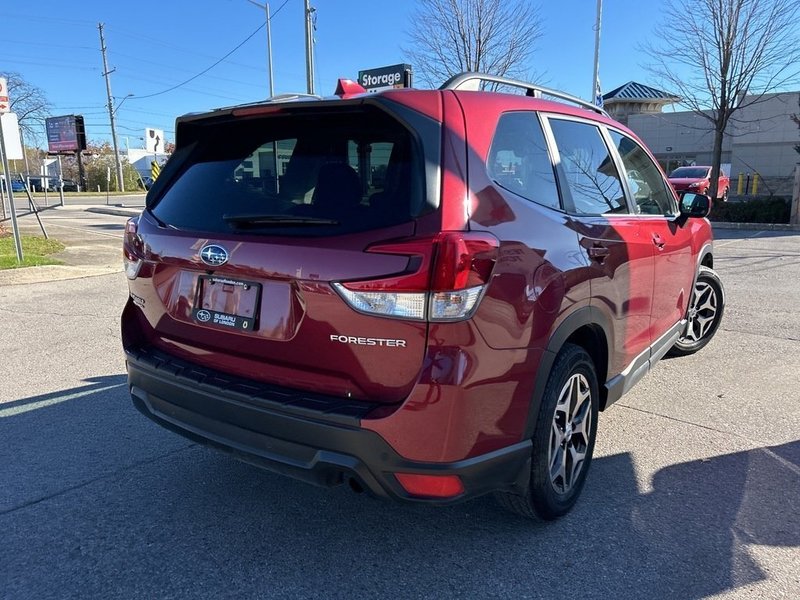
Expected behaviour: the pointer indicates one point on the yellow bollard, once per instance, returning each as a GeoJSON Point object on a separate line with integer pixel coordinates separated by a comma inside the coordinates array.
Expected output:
{"type": "Point", "coordinates": [740, 185]}
{"type": "Point", "coordinates": [755, 184]}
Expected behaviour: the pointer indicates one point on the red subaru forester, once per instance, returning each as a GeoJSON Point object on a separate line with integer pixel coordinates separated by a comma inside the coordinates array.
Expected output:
{"type": "Point", "coordinates": [427, 295]}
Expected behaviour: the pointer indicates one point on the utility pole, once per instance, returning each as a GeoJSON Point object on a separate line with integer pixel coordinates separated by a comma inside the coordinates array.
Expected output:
{"type": "Point", "coordinates": [596, 95]}
{"type": "Point", "coordinates": [106, 73]}
{"type": "Point", "coordinates": [309, 47]}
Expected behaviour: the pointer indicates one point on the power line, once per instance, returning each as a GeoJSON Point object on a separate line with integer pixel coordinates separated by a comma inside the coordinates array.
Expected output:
{"type": "Point", "coordinates": [173, 68]}
{"type": "Point", "coordinates": [203, 72]}
{"type": "Point", "coordinates": [45, 18]}
{"type": "Point", "coordinates": [48, 45]}
{"type": "Point", "coordinates": [139, 38]}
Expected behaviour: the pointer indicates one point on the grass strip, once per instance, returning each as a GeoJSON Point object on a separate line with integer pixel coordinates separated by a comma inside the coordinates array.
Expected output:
{"type": "Point", "coordinates": [36, 251]}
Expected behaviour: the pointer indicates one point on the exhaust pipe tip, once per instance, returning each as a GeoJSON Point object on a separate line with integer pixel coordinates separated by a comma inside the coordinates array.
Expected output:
{"type": "Point", "coordinates": [355, 485]}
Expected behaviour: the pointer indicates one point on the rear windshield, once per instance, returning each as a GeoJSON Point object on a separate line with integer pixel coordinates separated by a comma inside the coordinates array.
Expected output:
{"type": "Point", "coordinates": [323, 174]}
{"type": "Point", "coordinates": [690, 172]}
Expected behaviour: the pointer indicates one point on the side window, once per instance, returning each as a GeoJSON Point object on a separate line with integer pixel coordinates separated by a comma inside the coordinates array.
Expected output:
{"type": "Point", "coordinates": [518, 159]}
{"type": "Point", "coordinates": [644, 178]}
{"type": "Point", "coordinates": [591, 175]}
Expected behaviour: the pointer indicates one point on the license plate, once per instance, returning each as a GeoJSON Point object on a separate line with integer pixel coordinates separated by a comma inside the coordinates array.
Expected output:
{"type": "Point", "coordinates": [227, 303]}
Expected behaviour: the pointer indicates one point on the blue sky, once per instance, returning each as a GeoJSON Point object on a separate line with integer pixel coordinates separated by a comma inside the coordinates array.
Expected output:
{"type": "Point", "coordinates": [155, 45]}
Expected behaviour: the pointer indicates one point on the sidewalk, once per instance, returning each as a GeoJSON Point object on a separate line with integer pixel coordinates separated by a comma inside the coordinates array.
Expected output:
{"type": "Point", "coordinates": [92, 240]}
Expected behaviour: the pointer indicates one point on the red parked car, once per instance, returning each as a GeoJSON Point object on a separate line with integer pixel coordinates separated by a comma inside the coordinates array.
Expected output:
{"type": "Point", "coordinates": [432, 299]}
{"type": "Point", "coordinates": [698, 181]}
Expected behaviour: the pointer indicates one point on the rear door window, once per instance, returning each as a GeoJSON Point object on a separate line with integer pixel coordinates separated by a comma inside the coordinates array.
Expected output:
{"type": "Point", "coordinates": [591, 176]}
{"type": "Point", "coordinates": [519, 161]}
{"type": "Point", "coordinates": [326, 174]}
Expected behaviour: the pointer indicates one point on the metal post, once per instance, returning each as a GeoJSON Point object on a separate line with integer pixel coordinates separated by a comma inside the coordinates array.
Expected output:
{"type": "Point", "coordinates": [12, 208]}
{"type": "Point", "coordinates": [60, 182]}
{"type": "Point", "coordinates": [794, 215]}
{"type": "Point", "coordinates": [309, 48]}
{"type": "Point", "coordinates": [24, 151]}
{"type": "Point", "coordinates": [106, 73]}
{"type": "Point", "coordinates": [596, 82]}
{"type": "Point", "coordinates": [83, 186]}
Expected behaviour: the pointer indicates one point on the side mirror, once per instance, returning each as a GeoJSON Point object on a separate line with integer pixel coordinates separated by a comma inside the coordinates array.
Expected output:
{"type": "Point", "coordinates": [695, 205]}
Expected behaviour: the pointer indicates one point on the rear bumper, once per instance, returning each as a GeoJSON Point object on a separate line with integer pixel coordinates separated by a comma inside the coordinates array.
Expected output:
{"type": "Point", "coordinates": [325, 447]}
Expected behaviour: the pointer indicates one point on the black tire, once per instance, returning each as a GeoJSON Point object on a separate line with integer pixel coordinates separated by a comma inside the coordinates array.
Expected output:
{"type": "Point", "coordinates": [546, 498]}
{"type": "Point", "coordinates": [704, 315]}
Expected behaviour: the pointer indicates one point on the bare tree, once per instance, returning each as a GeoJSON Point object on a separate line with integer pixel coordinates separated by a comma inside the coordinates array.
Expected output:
{"type": "Point", "coordinates": [488, 36]}
{"type": "Point", "coordinates": [723, 55]}
{"type": "Point", "coordinates": [29, 102]}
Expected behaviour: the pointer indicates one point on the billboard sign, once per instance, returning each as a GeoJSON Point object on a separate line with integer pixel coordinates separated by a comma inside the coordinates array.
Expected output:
{"type": "Point", "coordinates": [65, 134]}
{"type": "Point", "coordinates": [385, 78]}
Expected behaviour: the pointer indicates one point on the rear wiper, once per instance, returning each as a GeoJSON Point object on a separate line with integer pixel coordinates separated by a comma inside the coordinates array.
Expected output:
{"type": "Point", "coordinates": [276, 220]}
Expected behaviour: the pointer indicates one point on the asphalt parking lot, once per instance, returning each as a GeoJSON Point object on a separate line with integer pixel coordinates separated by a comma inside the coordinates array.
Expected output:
{"type": "Point", "coordinates": [694, 492]}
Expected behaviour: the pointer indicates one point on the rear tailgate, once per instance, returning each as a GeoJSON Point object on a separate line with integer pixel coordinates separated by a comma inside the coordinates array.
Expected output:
{"type": "Point", "coordinates": [238, 265]}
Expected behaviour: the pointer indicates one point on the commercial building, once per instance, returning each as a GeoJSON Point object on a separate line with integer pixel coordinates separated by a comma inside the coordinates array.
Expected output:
{"type": "Point", "coordinates": [762, 138]}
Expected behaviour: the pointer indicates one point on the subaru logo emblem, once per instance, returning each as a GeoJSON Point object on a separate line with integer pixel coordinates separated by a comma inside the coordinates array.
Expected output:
{"type": "Point", "coordinates": [203, 315]}
{"type": "Point", "coordinates": [214, 255]}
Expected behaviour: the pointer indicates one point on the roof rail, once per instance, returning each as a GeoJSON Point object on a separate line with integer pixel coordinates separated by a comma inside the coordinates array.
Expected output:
{"type": "Point", "coordinates": [531, 89]}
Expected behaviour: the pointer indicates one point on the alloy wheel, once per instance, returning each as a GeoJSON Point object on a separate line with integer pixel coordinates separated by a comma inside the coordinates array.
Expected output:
{"type": "Point", "coordinates": [569, 434]}
{"type": "Point", "coordinates": [702, 312]}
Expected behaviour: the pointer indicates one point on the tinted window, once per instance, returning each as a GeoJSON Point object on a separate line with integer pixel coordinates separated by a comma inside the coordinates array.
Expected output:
{"type": "Point", "coordinates": [644, 178]}
{"type": "Point", "coordinates": [591, 175]}
{"type": "Point", "coordinates": [354, 170]}
{"type": "Point", "coordinates": [518, 159]}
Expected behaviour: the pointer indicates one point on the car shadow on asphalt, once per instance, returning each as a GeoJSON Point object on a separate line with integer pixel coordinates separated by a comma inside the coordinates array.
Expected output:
{"type": "Point", "coordinates": [88, 484]}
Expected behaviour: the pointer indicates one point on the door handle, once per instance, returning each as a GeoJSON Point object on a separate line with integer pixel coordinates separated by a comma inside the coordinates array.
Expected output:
{"type": "Point", "coordinates": [659, 241]}
{"type": "Point", "coordinates": [598, 253]}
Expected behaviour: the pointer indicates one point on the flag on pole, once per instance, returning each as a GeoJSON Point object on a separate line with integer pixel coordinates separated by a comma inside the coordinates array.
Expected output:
{"type": "Point", "coordinates": [598, 95]}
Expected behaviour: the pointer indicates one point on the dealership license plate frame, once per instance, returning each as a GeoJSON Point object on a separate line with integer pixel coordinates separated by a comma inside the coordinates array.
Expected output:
{"type": "Point", "coordinates": [245, 295]}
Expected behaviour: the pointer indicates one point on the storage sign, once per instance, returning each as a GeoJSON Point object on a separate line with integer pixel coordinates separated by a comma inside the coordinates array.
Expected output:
{"type": "Point", "coordinates": [385, 78]}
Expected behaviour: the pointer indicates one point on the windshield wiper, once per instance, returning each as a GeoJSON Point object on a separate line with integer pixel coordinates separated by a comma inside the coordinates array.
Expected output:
{"type": "Point", "coordinates": [245, 220]}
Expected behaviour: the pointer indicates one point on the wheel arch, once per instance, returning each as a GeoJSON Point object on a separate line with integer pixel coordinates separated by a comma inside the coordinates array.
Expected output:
{"type": "Point", "coordinates": [586, 327]}
{"type": "Point", "coordinates": [706, 257]}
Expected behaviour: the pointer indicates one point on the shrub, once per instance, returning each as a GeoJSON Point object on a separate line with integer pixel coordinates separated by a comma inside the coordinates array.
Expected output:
{"type": "Point", "coordinates": [758, 210]}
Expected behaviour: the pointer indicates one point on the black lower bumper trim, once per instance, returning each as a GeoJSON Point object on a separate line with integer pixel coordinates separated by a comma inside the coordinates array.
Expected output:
{"type": "Point", "coordinates": [321, 450]}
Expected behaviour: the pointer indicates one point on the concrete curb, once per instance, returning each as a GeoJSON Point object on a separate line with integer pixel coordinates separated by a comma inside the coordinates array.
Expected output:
{"type": "Point", "coordinates": [47, 273]}
{"type": "Point", "coordinates": [755, 226]}
{"type": "Point", "coordinates": [119, 211]}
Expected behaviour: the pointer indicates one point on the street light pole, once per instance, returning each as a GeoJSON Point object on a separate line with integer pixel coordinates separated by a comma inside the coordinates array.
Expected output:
{"type": "Point", "coordinates": [271, 83]}
{"type": "Point", "coordinates": [265, 8]}
{"type": "Point", "coordinates": [309, 48]}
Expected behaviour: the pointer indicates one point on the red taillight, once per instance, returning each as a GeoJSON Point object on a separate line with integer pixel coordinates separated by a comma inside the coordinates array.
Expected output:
{"type": "Point", "coordinates": [431, 486]}
{"type": "Point", "coordinates": [449, 272]}
{"type": "Point", "coordinates": [463, 260]}
{"type": "Point", "coordinates": [132, 248]}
